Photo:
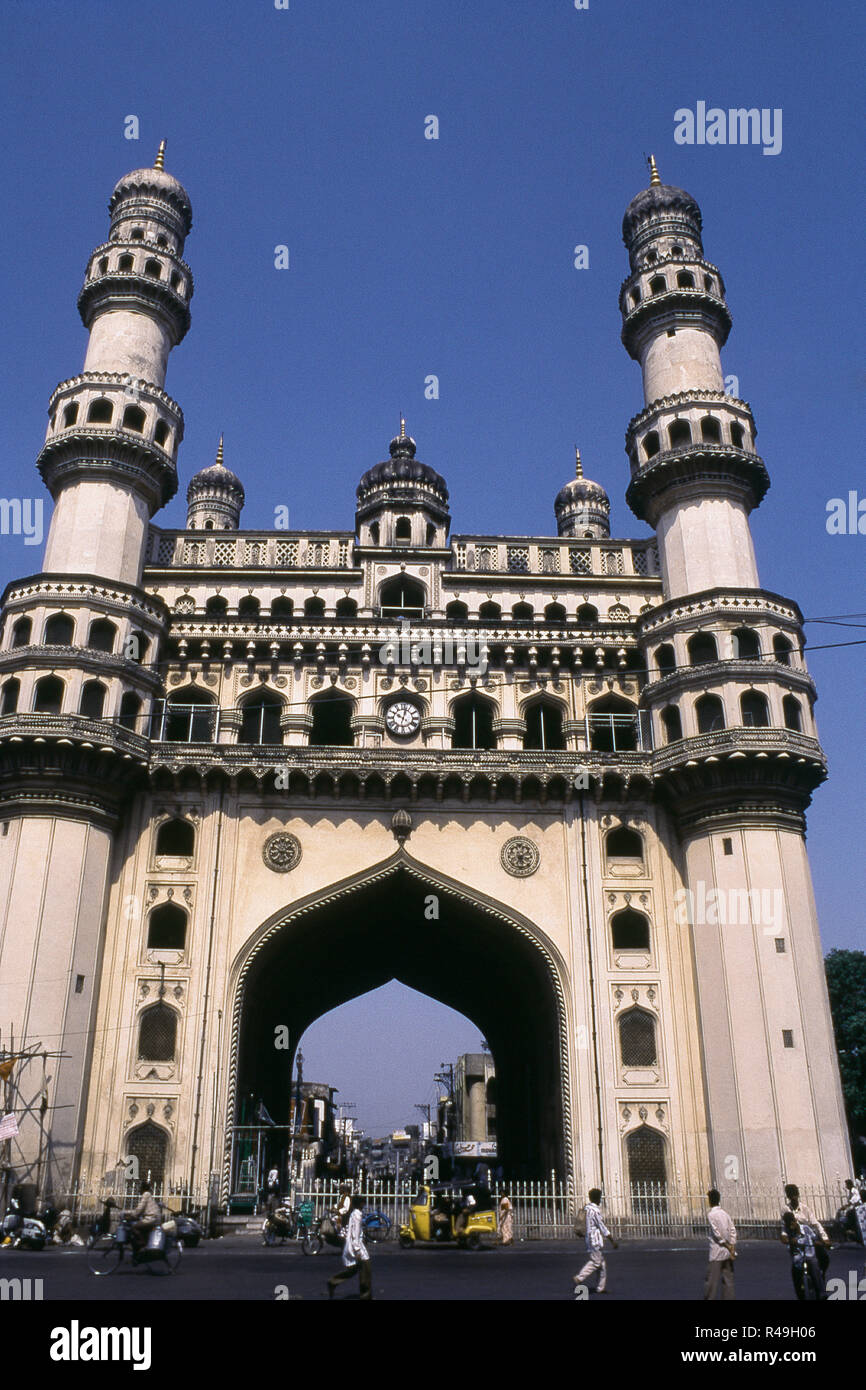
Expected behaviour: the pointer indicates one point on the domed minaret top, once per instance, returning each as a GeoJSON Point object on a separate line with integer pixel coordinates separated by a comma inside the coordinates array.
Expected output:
{"type": "Point", "coordinates": [152, 193]}
{"type": "Point", "coordinates": [582, 507]}
{"type": "Point", "coordinates": [215, 496]}
{"type": "Point", "coordinates": [661, 211]}
{"type": "Point", "coordinates": [402, 501]}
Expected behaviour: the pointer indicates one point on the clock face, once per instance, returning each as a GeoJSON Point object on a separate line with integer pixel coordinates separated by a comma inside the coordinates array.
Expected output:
{"type": "Point", "coordinates": [403, 718]}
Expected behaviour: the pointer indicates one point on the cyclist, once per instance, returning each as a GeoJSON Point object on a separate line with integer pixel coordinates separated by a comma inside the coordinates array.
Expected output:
{"type": "Point", "coordinates": [146, 1215]}
{"type": "Point", "coordinates": [800, 1239]}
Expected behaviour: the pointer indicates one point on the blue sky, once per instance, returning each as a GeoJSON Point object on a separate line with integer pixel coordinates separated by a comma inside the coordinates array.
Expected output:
{"type": "Point", "coordinates": [411, 257]}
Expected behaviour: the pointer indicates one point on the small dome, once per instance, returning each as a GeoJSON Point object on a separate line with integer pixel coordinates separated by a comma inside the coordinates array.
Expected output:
{"type": "Point", "coordinates": [582, 504]}
{"type": "Point", "coordinates": [659, 198]}
{"type": "Point", "coordinates": [402, 467]}
{"type": "Point", "coordinates": [214, 497]}
{"type": "Point", "coordinates": [156, 183]}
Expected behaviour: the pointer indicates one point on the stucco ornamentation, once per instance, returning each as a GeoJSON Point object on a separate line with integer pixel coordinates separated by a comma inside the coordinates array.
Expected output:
{"type": "Point", "coordinates": [282, 852]}
{"type": "Point", "coordinates": [520, 857]}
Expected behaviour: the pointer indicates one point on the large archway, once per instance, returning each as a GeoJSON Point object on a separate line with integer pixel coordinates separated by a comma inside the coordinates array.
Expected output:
{"type": "Point", "coordinates": [477, 957]}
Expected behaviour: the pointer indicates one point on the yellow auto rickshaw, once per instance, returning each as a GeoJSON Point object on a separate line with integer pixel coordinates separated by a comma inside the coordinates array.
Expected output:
{"type": "Point", "coordinates": [447, 1215]}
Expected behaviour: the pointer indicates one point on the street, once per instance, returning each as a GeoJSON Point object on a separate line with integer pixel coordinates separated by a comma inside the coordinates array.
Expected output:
{"type": "Point", "coordinates": [239, 1268]}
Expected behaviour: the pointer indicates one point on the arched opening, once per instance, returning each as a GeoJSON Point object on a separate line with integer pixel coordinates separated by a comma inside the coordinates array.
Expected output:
{"type": "Point", "coordinates": [187, 717]}
{"type": "Point", "coordinates": [9, 697]}
{"type": "Point", "coordinates": [125, 263]}
{"type": "Point", "coordinates": [403, 530]}
{"type": "Point", "coordinates": [651, 444]}
{"type": "Point", "coordinates": [666, 658]}
{"type": "Point", "coordinates": [473, 722]}
{"type": "Point", "coordinates": [102, 635]}
{"type": "Point", "coordinates": [134, 419]}
{"type": "Point", "coordinates": [100, 412]}
{"type": "Point", "coordinates": [314, 608]}
{"type": "Point", "coordinates": [402, 597]}
{"type": "Point", "coordinates": [554, 613]}
{"type": "Point", "coordinates": [679, 433]}
{"type": "Point", "coordinates": [70, 415]}
{"type": "Point", "coordinates": [21, 632]}
{"type": "Point", "coordinates": [161, 433]}
{"type": "Point", "coordinates": [148, 1144]}
{"type": "Point", "coordinates": [672, 724]}
{"type": "Point", "coordinates": [216, 606]}
{"type": "Point", "coordinates": [737, 436]}
{"type": "Point", "coordinates": [637, 1039]}
{"type": "Point", "coordinates": [346, 608]}
{"type": "Point", "coordinates": [647, 1166]}
{"type": "Point", "coordinates": [48, 695]}
{"type": "Point", "coordinates": [755, 710]}
{"type": "Point", "coordinates": [332, 720]}
{"type": "Point", "coordinates": [587, 614]}
{"type": "Point", "coordinates": [612, 725]}
{"type": "Point", "coordinates": [711, 430]}
{"type": "Point", "coordinates": [319, 960]}
{"type": "Point", "coordinates": [59, 630]}
{"type": "Point", "coordinates": [658, 284]}
{"type": "Point", "coordinates": [176, 838]}
{"type": "Point", "coordinates": [130, 712]}
{"type": "Point", "coordinates": [544, 730]}
{"type": "Point", "coordinates": [630, 930]}
{"type": "Point", "coordinates": [623, 843]}
{"type": "Point", "coordinates": [249, 607]}
{"type": "Point", "coordinates": [457, 611]}
{"type": "Point", "coordinates": [153, 268]}
{"type": "Point", "coordinates": [136, 647]}
{"type": "Point", "coordinates": [702, 648]}
{"type": "Point", "coordinates": [793, 713]}
{"type": "Point", "coordinates": [685, 280]}
{"type": "Point", "coordinates": [746, 644]}
{"type": "Point", "coordinates": [781, 649]}
{"type": "Point", "coordinates": [490, 612]}
{"type": "Point", "coordinates": [166, 931]}
{"type": "Point", "coordinates": [260, 721]}
{"type": "Point", "coordinates": [523, 612]}
{"type": "Point", "coordinates": [282, 607]}
{"type": "Point", "coordinates": [93, 695]}
{"type": "Point", "coordinates": [157, 1033]}
{"type": "Point", "coordinates": [710, 714]}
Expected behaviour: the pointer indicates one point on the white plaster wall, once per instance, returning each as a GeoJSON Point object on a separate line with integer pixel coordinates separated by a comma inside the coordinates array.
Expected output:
{"type": "Point", "coordinates": [689, 361]}
{"type": "Point", "coordinates": [122, 340]}
{"type": "Point", "coordinates": [704, 544]}
{"type": "Point", "coordinates": [97, 528]}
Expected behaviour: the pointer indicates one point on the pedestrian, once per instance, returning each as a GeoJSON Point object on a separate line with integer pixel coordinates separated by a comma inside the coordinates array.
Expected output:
{"type": "Point", "coordinates": [804, 1213]}
{"type": "Point", "coordinates": [356, 1257]}
{"type": "Point", "coordinates": [506, 1220]}
{"type": "Point", "coordinates": [344, 1207]}
{"type": "Point", "coordinates": [800, 1239]}
{"type": "Point", "coordinates": [272, 1190]}
{"type": "Point", "coordinates": [723, 1250]}
{"type": "Point", "coordinates": [595, 1232]}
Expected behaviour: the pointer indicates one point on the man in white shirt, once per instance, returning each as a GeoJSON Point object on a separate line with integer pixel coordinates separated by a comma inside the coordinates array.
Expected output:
{"type": "Point", "coordinates": [356, 1257]}
{"type": "Point", "coordinates": [804, 1213]}
{"type": "Point", "coordinates": [595, 1232]}
{"type": "Point", "coordinates": [723, 1250]}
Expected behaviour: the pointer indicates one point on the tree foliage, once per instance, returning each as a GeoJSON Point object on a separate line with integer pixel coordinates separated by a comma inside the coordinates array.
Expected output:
{"type": "Point", "coordinates": [846, 982]}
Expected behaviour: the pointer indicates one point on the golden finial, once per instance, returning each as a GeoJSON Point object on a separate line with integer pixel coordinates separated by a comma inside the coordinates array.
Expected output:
{"type": "Point", "coordinates": [159, 162]}
{"type": "Point", "coordinates": [578, 470]}
{"type": "Point", "coordinates": [655, 181]}
{"type": "Point", "coordinates": [219, 457]}
{"type": "Point", "coordinates": [402, 426]}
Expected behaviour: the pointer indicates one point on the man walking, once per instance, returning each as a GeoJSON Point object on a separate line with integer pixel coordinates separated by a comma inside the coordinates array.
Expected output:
{"type": "Point", "coordinates": [723, 1250]}
{"type": "Point", "coordinates": [356, 1257]}
{"type": "Point", "coordinates": [595, 1232]}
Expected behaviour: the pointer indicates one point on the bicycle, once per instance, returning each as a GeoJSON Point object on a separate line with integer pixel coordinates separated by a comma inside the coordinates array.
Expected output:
{"type": "Point", "coordinates": [161, 1254]}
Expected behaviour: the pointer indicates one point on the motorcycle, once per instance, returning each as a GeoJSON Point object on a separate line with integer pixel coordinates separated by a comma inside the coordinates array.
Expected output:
{"type": "Point", "coordinates": [161, 1251]}
{"type": "Point", "coordinates": [281, 1225]}
{"type": "Point", "coordinates": [23, 1232]}
{"type": "Point", "coordinates": [189, 1231]}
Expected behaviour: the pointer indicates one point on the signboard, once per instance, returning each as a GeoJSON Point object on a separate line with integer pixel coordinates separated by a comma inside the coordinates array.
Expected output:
{"type": "Point", "coordinates": [473, 1148]}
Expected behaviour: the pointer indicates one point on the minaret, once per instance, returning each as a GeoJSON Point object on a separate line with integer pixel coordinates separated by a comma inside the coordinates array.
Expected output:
{"type": "Point", "coordinates": [737, 755]}
{"type": "Point", "coordinates": [582, 507]}
{"type": "Point", "coordinates": [79, 661]}
{"type": "Point", "coordinates": [110, 454]}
